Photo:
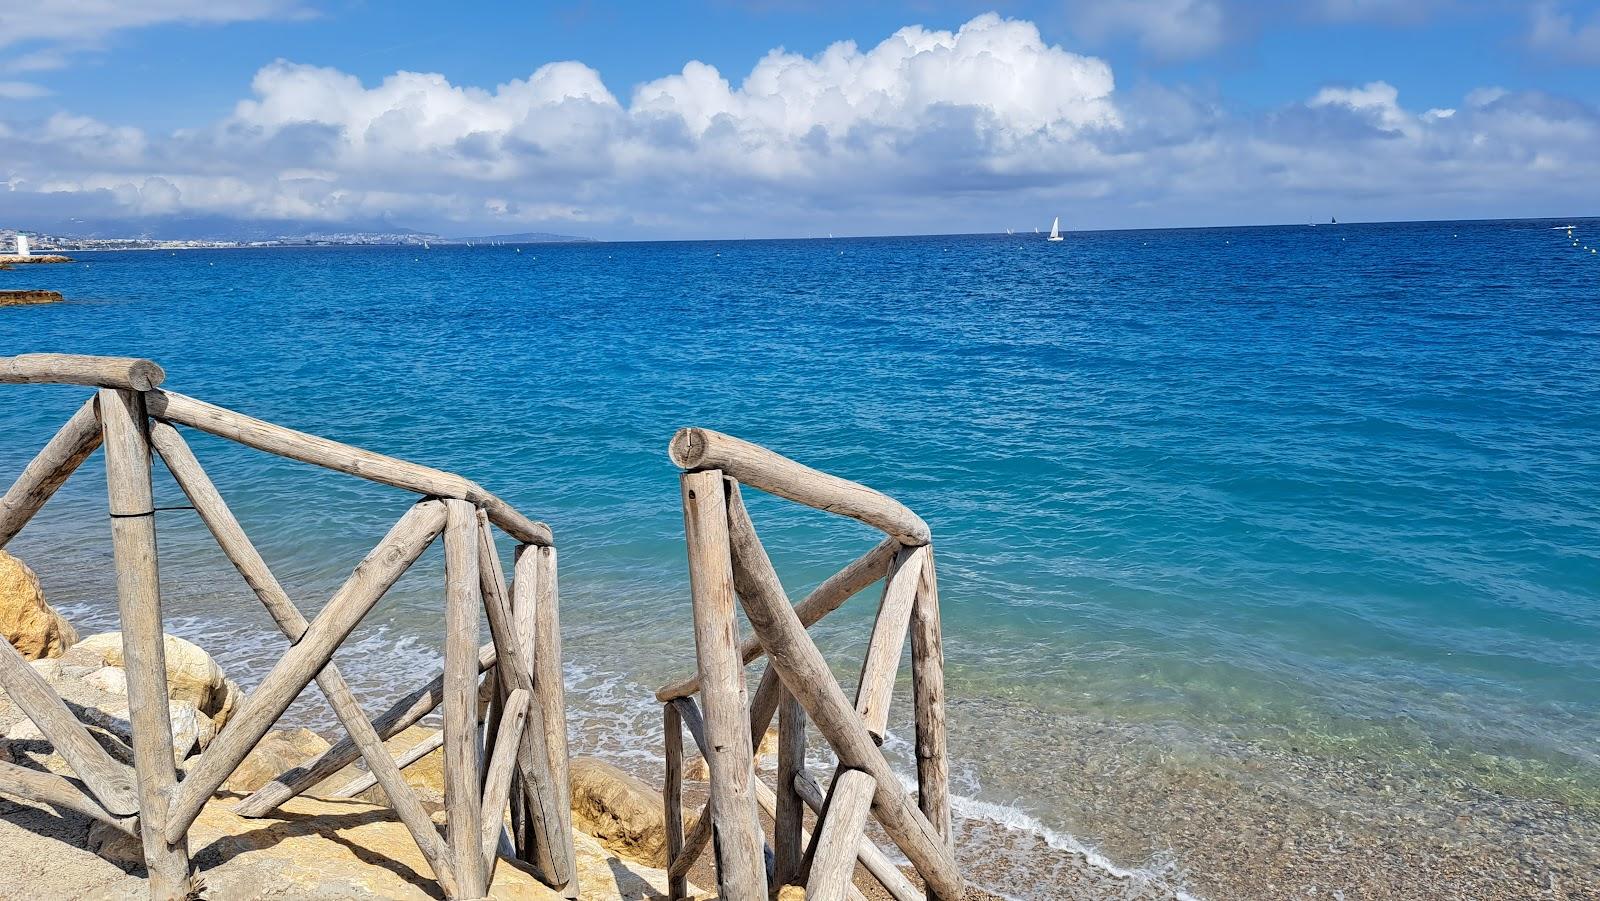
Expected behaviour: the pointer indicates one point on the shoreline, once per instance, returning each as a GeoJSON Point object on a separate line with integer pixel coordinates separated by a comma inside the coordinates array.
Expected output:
{"type": "Point", "coordinates": [1095, 806]}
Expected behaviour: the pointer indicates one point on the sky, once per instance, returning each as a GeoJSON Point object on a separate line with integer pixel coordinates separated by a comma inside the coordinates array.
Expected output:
{"type": "Point", "coordinates": [779, 118]}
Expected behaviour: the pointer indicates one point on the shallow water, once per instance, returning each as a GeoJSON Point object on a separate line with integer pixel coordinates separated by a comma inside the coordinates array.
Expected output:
{"type": "Point", "coordinates": [1327, 491]}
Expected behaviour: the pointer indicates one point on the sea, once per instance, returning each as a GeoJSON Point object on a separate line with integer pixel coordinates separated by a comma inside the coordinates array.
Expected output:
{"type": "Point", "coordinates": [1249, 539]}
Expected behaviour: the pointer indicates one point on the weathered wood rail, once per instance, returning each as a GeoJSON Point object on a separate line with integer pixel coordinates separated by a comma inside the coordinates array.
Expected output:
{"type": "Point", "coordinates": [516, 759]}
{"type": "Point", "coordinates": [729, 565]}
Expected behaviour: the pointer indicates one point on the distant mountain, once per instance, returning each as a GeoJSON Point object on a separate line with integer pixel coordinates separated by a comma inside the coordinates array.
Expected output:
{"type": "Point", "coordinates": [218, 228]}
{"type": "Point", "coordinates": [528, 238]}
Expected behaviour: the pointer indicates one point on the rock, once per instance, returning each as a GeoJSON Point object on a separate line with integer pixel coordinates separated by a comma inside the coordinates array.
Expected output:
{"type": "Point", "coordinates": [191, 730]}
{"type": "Point", "coordinates": [113, 680]}
{"type": "Point", "coordinates": [48, 668]}
{"type": "Point", "coordinates": [32, 626]}
{"type": "Point", "coordinates": [279, 750]}
{"type": "Point", "coordinates": [191, 673]}
{"type": "Point", "coordinates": [619, 810]}
{"type": "Point", "coordinates": [426, 776]}
{"type": "Point", "coordinates": [26, 298]}
{"type": "Point", "coordinates": [114, 845]}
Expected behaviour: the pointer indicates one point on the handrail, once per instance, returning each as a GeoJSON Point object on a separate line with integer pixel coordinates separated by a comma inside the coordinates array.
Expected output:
{"type": "Point", "coordinates": [171, 406]}
{"type": "Point", "coordinates": [695, 450]}
{"type": "Point", "coordinates": [526, 754]}
{"type": "Point", "coordinates": [130, 373]}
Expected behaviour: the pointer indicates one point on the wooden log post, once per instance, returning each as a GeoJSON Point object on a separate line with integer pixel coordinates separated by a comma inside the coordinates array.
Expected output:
{"type": "Point", "coordinates": [372, 578]}
{"type": "Point", "coordinates": [230, 536]}
{"type": "Point", "coordinates": [769, 803]}
{"type": "Point", "coordinates": [402, 715]}
{"type": "Point", "coordinates": [385, 470]}
{"type": "Point", "coordinates": [535, 608]}
{"type": "Point", "coordinates": [806, 675]}
{"type": "Point", "coordinates": [753, 465]}
{"type": "Point", "coordinates": [672, 799]}
{"type": "Point", "coordinates": [826, 598]}
{"type": "Point", "coordinates": [839, 835]}
{"type": "Point", "coordinates": [497, 779]}
{"type": "Point", "coordinates": [59, 459]}
{"type": "Point", "coordinates": [462, 799]}
{"type": "Point", "coordinates": [927, 682]}
{"type": "Point", "coordinates": [554, 855]}
{"type": "Point", "coordinates": [788, 814]}
{"type": "Point", "coordinates": [762, 708]}
{"type": "Point", "coordinates": [133, 540]}
{"type": "Point", "coordinates": [877, 863]}
{"type": "Point", "coordinates": [875, 691]}
{"type": "Point", "coordinates": [126, 373]}
{"type": "Point", "coordinates": [741, 865]}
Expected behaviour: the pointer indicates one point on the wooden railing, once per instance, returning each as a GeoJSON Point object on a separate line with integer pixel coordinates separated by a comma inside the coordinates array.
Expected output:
{"type": "Point", "coordinates": [524, 742]}
{"type": "Point", "coordinates": [727, 561]}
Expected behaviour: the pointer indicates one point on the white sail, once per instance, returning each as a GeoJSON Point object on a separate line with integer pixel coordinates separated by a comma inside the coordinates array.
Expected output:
{"type": "Point", "coordinates": [1055, 229]}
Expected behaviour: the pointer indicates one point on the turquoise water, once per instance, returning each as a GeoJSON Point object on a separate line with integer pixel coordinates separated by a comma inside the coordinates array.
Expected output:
{"type": "Point", "coordinates": [1333, 486]}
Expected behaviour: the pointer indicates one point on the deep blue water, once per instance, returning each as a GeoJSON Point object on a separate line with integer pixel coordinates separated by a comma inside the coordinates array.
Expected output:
{"type": "Point", "coordinates": [1320, 485]}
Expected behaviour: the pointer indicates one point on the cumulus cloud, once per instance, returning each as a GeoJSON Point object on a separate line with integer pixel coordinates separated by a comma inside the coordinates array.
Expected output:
{"type": "Point", "coordinates": [1555, 30]}
{"type": "Point", "coordinates": [925, 130]}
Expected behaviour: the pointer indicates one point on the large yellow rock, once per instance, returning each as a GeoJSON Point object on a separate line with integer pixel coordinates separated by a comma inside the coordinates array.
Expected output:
{"type": "Point", "coordinates": [426, 776]}
{"type": "Point", "coordinates": [619, 810]}
{"type": "Point", "coordinates": [191, 673]}
{"type": "Point", "coordinates": [32, 626]}
{"type": "Point", "coordinates": [278, 751]}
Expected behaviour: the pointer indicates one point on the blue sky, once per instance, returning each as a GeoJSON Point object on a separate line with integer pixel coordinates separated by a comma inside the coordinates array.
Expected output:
{"type": "Point", "coordinates": [727, 119]}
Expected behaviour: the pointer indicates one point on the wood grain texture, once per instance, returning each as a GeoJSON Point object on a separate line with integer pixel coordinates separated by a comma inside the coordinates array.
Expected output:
{"type": "Point", "coordinates": [48, 788]}
{"type": "Point", "coordinates": [497, 778]}
{"type": "Point", "coordinates": [372, 578]}
{"type": "Point", "coordinates": [877, 863]}
{"type": "Point", "coordinates": [672, 798]}
{"type": "Point", "coordinates": [840, 834]}
{"type": "Point", "coordinates": [887, 646]}
{"type": "Point", "coordinates": [549, 683]}
{"type": "Point", "coordinates": [463, 802]}
{"type": "Point", "coordinates": [788, 813]}
{"type": "Point", "coordinates": [806, 675]}
{"type": "Point", "coordinates": [400, 716]}
{"type": "Point", "coordinates": [126, 373]}
{"type": "Point", "coordinates": [741, 864]}
{"type": "Point", "coordinates": [826, 598]}
{"type": "Point", "coordinates": [49, 469]}
{"type": "Point", "coordinates": [927, 686]}
{"type": "Point", "coordinates": [702, 449]}
{"type": "Point", "coordinates": [239, 550]}
{"type": "Point", "coordinates": [133, 545]}
{"type": "Point", "coordinates": [110, 781]}
{"type": "Point", "coordinates": [380, 468]}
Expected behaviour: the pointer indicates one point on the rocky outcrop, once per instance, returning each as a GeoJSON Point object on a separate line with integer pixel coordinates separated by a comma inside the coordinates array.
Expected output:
{"type": "Point", "coordinates": [32, 626]}
{"type": "Point", "coordinates": [279, 750]}
{"type": "Point", "coordinates": [13, 298]}
{"type": "Point", "coordinates": [426, 776]}
{"type": "Point", "coordinates": [619, 810]}
{"type": "Point", "coordinates": [12, 259]}
{"type": "Point", "coordinates": [191, 673]}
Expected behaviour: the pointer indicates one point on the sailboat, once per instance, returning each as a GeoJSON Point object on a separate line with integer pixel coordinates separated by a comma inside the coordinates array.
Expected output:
{"type": "Point", "coordinates": [1055, 230]}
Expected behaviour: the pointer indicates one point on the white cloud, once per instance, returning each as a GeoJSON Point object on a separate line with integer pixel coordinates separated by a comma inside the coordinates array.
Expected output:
{"type": "Point", "coordinates": [926, 130]}
{"type": "Point", "coordinates": [86, 21]}
{"type": "Point", "coordinates": [21, 90]}
{"type": "Point", "coordinates": [1170, 29]}
{"type": "Point", "coordinates": [1554, 30]}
